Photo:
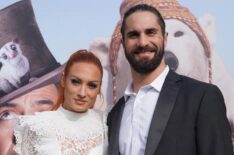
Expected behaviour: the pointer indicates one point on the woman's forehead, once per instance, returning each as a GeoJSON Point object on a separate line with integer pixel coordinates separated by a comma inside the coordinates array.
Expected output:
{"type": "Point", "coordinates": [85, 70]}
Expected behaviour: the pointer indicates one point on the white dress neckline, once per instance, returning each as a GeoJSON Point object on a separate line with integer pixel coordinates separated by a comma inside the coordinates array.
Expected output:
{"type": "Point", "coordinates": [61, 132]}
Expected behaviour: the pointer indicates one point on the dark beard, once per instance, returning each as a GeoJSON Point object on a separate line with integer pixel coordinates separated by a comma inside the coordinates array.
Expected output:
{"type": "Point", "coordinates": [145, 66]}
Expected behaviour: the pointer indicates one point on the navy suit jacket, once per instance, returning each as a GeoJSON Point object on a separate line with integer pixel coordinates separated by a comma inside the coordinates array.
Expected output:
{"type": "Point", "coordinates": [189, 119]}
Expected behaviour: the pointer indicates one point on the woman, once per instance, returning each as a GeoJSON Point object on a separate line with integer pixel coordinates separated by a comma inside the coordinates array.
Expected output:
{"type": "Point", "coordinates": [74, 128]}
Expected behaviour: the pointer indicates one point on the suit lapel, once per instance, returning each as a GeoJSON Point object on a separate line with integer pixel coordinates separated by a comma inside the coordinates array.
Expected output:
{"type": "Point", "coordinates": [114, 138]}
{"type": "Point", "coordinates": [162, 111]}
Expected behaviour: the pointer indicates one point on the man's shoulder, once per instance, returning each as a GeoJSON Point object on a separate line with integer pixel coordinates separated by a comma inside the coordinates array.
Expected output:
{"type": "Point", "coordinates": [118, 104]}
{"type": "Point", "coordinates": [116, 108]}
{"type": "Point", "coordinates": [186, 79]}
{"type": "Point", "coordinates": [194, 83]}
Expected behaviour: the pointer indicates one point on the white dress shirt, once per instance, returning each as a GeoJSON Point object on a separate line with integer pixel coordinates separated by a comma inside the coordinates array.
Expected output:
{"type": "Point", "coordinates": [137, 116]}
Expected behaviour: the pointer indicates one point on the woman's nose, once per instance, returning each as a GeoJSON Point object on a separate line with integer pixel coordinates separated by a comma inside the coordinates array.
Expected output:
{"type": "Point", "coordinates": [82, 91]}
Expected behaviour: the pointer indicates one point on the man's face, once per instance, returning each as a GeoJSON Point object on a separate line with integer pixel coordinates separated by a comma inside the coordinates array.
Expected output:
{"type": "Point", "coordinates": [143, 41]}
{"type": "Point", "coordinates": [37, 100]}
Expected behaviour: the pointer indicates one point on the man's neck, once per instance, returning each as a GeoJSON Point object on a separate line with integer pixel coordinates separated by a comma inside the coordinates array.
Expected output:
{"type": "Point", "coordinates": [140, 80]}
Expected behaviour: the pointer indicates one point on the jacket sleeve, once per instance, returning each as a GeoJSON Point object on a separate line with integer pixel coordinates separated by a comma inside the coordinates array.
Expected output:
{"type": "Point", "coordinates": [212, 126]}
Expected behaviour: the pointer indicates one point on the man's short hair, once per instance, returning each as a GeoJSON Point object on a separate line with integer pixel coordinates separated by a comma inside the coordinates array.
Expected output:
{"type": "Point", "coordinates": [143, 7]}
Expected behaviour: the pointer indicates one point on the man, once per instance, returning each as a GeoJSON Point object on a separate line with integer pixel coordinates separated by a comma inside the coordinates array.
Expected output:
{"type": "Point", "coordinates": [163, 113]}
{"type": "Point", "coordinates": [40, 99]}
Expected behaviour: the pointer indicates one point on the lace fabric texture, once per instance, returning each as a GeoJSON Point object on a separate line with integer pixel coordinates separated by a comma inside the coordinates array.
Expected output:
{"type": "Point", "coordinates": [61, 133]}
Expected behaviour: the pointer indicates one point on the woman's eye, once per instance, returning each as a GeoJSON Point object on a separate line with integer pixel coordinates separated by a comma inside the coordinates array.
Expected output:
{"type": "Point", "coordinates": [92, 85]}
{"type": "Point", "coordinates": [75, 81]}
{"type": "Point", "coordinates": [7, 115]}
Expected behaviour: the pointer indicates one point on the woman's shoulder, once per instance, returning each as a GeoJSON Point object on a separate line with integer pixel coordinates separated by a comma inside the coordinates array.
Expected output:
{"type": "Point", "coordinates": [97, 111]}
{"type": "Point", "coordinates": [36, 118]}
{"type": "Point", "coordinates": [39, 123]}
{"type": "Point", "coordinates": [34, 130]}
{"type": "Point", "coordinates": [102, 116]}
{"type": "Point", "coordinates": [99, 114]}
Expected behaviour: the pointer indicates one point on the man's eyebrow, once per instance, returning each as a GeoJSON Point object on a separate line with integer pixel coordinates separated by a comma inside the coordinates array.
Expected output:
{"type": "Point", "coordinates": [50, 102]}
{"type": "Point", "coordinates": [7, 104]}
{"type": "Point", "coordinates": [132, 32]}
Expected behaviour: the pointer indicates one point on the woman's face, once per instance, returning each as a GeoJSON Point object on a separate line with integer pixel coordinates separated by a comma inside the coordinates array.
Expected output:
{"type": "Point", "coordinates": [81, 86]}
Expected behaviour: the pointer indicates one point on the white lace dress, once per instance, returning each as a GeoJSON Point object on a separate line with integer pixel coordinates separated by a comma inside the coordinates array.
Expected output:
{"type": "Point", "coordinates": [61, 132]}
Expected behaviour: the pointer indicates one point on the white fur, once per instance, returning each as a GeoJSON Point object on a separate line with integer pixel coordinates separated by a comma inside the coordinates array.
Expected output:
{"type": "Point", "coordinates": [14, 66]}
{"type": "Point", "coordinates": [188, 49]}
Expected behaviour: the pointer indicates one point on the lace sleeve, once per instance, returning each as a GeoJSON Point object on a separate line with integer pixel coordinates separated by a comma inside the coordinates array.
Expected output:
{"type": "Point", "coordinates": [105, 128]}
{"type": "Point", "coordinates": [33, 137]}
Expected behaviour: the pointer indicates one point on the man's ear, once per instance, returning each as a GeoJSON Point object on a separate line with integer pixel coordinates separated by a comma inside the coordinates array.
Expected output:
{"type": "Point", "coordinates": [165, 39]}
{"type": "Point", "coordinates": [122, 41]}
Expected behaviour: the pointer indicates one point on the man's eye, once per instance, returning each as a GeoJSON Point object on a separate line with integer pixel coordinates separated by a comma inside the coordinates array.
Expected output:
{"type": "Point", "coordinates": [7, 115]}
{"type": "Point", "coordinates": [132, 35]}
{"type": "Point", "coordinates": [151, 32]}
{"type": "Point", "coordinates": [75, 81]}
{"type": "Point", "coordinates": [92, 85]}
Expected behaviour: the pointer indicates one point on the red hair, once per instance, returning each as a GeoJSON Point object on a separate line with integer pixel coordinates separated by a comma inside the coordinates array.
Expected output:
{"type": "Point", "coordinates": [79, 56]}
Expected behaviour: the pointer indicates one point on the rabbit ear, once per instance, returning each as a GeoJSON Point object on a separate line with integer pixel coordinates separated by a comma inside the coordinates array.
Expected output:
{"type": "Point", "coordinates": [16, 40]}
{"type": "Point", "coordinates": [100, 47]}
{"type": "Point", "coordinates": [208, 24]}
{"type": "Point", "coordinates": [101, 44]}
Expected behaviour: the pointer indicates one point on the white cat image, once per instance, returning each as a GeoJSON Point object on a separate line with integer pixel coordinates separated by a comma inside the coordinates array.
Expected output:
{"type": "Point", "coordinates": [14, 66]}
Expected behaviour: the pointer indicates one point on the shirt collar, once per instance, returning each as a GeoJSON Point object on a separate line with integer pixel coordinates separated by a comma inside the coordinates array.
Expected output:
{"type": "Point", "coordinates": [128, 92]}
{"type": "Point", "coordinates": [157, 84]}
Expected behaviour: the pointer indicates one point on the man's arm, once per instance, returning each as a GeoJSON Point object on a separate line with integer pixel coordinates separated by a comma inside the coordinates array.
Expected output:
{"type": "Point", "coordinates": [212, 126]}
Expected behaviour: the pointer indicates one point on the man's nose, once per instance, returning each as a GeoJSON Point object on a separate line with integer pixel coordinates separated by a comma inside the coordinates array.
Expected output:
{"type": "Point", "coordinates": [143, 40]}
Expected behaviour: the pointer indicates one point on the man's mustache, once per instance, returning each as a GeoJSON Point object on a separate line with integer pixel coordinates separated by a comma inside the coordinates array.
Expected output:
{"type": "Point", "coordinates": [140, 49]}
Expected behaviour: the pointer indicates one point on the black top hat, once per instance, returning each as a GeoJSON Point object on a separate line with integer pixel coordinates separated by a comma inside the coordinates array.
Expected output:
{"type": "Point", "coordinates": [25, 61]}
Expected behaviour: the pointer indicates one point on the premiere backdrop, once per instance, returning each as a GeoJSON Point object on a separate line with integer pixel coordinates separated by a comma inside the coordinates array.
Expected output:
{"type": "Point", "coordinates": [37, 37]}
